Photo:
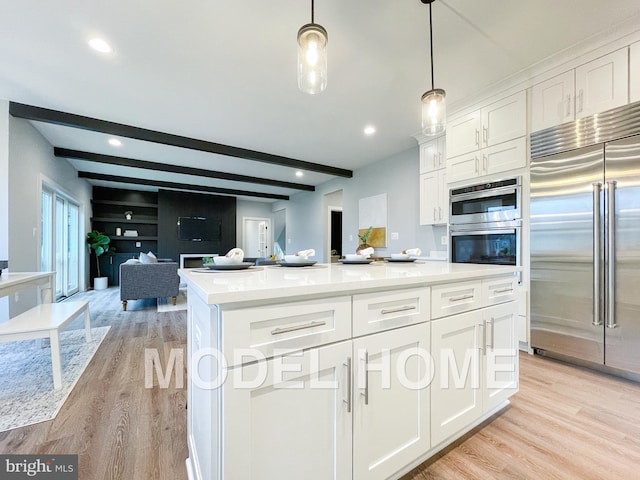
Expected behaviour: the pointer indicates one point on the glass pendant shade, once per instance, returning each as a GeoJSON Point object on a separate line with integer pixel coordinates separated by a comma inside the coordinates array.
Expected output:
{"type": "Point", "coordinates": [433, 112]}
{"type": "Point", "coordinates": [312, 58]}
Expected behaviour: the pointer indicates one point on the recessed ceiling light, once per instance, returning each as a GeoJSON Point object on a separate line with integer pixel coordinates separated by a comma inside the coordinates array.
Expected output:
{"type": "Point", "coordinates": [369, 130]}
{"type": "Point", "coordinates": [114, 142]}
{"type": "Point", "coordinates": [99, 45]}
{"type": "Point", "coordinates": [299, 173]}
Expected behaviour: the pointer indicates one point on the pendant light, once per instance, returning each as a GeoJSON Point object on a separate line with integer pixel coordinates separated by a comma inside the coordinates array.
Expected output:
{"type": "Point", "coordinates": [312, 57]}
{"type": "Point", "coordinates": [433, 103]}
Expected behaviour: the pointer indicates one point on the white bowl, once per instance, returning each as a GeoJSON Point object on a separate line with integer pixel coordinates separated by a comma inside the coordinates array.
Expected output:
{"type": "Point", "coordinates": [354, 256]}
{"type": "Point", "coordinates": [295, 259]}
{"type": "Point", "coordinates": [222, 260]}
{"type": "Point", "coordinates": [400, 256]}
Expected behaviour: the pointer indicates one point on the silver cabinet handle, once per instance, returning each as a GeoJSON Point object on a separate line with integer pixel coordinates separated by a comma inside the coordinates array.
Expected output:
{"type": "Point", "coordinates": [484, 163]}
{"type": "Point", "coordinates": [439, 159]}
{"type": "Point", "coordinates": [504, 290]}
{"type": "Point", "coordinates": [493, 332]}
{"type": "Point", "coordinates": [439, 213]}
{"type": "Point", "coordinates": [403, 308]}
{"type": "Point", "coordinates": [280, 331]}
{"type": "Point", "coordinates": [461, 297]}
{"type": "Point", "coordinates": [568, 102]}
{"type": "Point", "coordinates": [477, 138]}
{"type": "Point", "coordinates": [580, 100]}
{"type": "Point", "coordinates": [366, 378]}
{"type": "Point", "coordinates": [483, 344]}
{"type": "Point", "coordinates": [435, 163]}
{"type": "Point", "coordinates": [485, 135]}
{"type": "Point", "coordinates": [476, 164]}
{"type": "Point", "coordinates": [596, 322]}
{"type": "Point", "coordinates": [348, 400]}
{"type": "Point", "coordinates": [434, 214]}
{"type": "Point", "coordinates": [611, 255]}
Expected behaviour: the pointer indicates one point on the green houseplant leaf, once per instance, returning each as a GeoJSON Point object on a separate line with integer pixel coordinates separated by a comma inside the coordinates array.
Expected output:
{"type": "Point", "coordinates": [99, 243]}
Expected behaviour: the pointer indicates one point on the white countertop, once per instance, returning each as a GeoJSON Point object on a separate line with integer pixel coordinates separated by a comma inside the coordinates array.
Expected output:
{"type": "Point", "coordinates": [271, 282]}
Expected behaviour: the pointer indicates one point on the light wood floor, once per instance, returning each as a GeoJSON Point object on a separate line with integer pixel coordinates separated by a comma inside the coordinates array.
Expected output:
{"type": "Point", "coordinates": [565, 423]}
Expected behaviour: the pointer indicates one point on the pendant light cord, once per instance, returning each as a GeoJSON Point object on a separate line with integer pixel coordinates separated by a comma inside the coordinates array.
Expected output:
{"type": "Point", "coordinates": [430, 43]}
{"type": "Point", "coordinates": [312, 18]}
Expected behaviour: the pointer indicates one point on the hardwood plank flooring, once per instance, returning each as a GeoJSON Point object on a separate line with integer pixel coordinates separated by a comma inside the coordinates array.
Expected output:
{"type": "Point", "coordinates": [565, 423]}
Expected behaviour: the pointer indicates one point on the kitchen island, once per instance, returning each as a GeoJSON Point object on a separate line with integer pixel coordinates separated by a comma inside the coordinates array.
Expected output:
{"type": "Point", "coordinates": [343, 371]}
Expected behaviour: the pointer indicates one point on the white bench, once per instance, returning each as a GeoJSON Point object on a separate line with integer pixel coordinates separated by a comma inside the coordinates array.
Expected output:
{"type": "Point", "coordinates": [47, 320]}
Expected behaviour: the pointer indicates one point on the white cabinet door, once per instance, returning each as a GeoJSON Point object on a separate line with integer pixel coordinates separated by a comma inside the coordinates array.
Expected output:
{"type": "Point", "coordinates": [443, 193]}
{"type": "Point", "coordinates": [391, 418]}
{"type": "Point", "coordinates": [456, 396]}
{"type": "Point", "coordinates": [501, 355]}
{"type": "Point", "coordinates": [294, 430]}
{"type": "Point", "coordinates": [463, 134]}
{"type": "Point", "coordinates": [552, 101]}
{"type": "Point", "coordinates": [463, 167]}
{"type": "Point", "coordinates": [504, 120]}
{"type": "Point", "coordinates": [602, 84]}
{"type": "Point", "coordinates": [432, 155]}
{"type": "Point", "coordinates": [434, 198]}
{"type": "Point", "coordinates": [504, 156]}
{"type": "Point", "coordinates": [429, 198]}
{"type": "Point", "coordinates": [634, 72]}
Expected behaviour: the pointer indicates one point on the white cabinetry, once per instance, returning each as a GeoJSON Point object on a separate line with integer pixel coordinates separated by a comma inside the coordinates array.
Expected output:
{"type": "Point", "coordinates": [391, 401]}
{"type": "Point", "coordinates": [498, 122]}
{"type": "Point", "coordinates": [488, 161]}
{"type": "Point", "coordinates": [292, 425]}
{"type": "Point", "coordinates": [434, 198]}
{"type": "Point", "coordinates": [634, 72]}
{"type": "Point", "coordinates": [488, 141]}
{"type": "Point", "coordinates": [475, 355]}
{"type": "Point", "coordinates": [434, 194]}
{"type": "Point", "coordinates": [432, 155]}
{"type": "Point", "coordinates": [591, 88]}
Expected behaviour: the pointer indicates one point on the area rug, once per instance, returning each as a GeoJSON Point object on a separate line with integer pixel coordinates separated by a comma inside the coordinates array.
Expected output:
{"type": "Point", "coordinates": [26, 383]}
{"type": "Point", "coordinates": [166, 305]}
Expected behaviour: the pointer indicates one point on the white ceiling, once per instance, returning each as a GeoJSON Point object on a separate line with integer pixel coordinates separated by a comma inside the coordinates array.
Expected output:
{"type": "Point", "coordinates": [224, 71]}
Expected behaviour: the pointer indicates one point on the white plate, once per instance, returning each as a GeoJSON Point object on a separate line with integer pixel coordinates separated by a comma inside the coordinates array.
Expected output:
{"type": "Point", "coordinates": [356, 262]}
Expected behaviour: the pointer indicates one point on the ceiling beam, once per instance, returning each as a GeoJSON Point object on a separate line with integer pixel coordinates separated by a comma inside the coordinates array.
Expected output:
{"type": "Point", "coordinates": [178, 186]}
{"type": "Point", "coordinates": [57, 117]}
{"type": "Point", "coordinates": [164, 167]}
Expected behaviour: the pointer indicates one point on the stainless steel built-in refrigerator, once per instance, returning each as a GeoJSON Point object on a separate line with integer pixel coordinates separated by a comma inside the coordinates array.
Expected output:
{"type": "Point", "coordinates": [585, 240]}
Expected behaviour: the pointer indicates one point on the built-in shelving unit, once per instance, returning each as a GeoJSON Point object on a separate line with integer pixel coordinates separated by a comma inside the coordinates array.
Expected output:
{"type": "Point", "coordinates": [109, 207]}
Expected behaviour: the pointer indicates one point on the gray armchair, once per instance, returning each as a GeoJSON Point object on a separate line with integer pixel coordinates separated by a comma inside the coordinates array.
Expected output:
{"type": "Point", "coordinates": [148, 280]}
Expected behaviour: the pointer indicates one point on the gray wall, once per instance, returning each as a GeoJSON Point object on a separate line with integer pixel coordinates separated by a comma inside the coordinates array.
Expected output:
{"type": "Point", "coordinates": [4, 196]}
{"type": "Point", "coordinates": [397, 176]}
{"type": "Point", "coordinates": [31, 162]}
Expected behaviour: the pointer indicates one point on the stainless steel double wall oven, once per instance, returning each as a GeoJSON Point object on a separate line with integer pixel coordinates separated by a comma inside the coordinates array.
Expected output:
{"type": "Point", "coordinates": [486, 223]}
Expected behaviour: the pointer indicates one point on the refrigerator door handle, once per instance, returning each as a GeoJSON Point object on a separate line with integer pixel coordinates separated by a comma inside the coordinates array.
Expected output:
{"type": "Point", "coordinates": [611, 257]}
{"type": "Point", "coordinates": [597, 187]}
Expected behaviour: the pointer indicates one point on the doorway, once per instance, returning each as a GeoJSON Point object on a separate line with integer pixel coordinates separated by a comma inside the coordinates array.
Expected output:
{"type": "Point", "coordinates": [256, 240]}
{"type": "Point", "coordinates": [336, 232]}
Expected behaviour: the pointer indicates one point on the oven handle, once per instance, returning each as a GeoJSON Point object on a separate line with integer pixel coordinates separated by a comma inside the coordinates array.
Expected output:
{"type": "Point", "coordinates": [493, 231]}
{"type": "Point", "coordinates": [485, 193]}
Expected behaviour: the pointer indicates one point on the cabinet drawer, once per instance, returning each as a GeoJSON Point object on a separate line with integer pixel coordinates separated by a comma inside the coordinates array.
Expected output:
{"type": "Point", "coordinates": [499, 290]}
{"type": "Point", "coordinates": [455, 298]}
{"type": "Point", "coordinates": [375, 312]}
{"type": "Point", "coordinates": [292, 326]}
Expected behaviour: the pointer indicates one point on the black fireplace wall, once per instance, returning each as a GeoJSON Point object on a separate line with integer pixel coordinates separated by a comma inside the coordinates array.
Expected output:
{"type": "Point", "coordinates": [218, 209]}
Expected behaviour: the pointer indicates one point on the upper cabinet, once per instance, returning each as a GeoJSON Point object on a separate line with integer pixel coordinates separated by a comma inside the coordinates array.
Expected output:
{"type": "Point", "coordinates": [489, 140]}
{"type": "Point", "coordinates": [434, 196]}
{"type": "Point", "coordinates": [432, 155]}
{"type": "Point", "coordinates": [498, 122]}
{"type": "Point", "coordinates": [591, 88]}
{"type": "Point", "coordinates": [634, 72]}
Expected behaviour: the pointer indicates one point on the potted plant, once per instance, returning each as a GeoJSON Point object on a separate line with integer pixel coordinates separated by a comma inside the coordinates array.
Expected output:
{"type": "Point", "coordinates": [99, 243]}
{"type": "Point", "coordinates": [363, 239]}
